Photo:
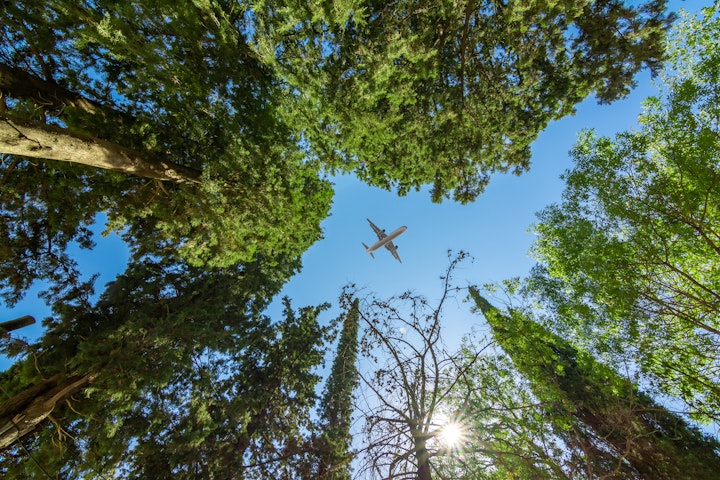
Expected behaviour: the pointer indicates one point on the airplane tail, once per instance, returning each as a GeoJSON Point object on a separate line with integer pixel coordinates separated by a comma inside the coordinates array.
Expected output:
{"type": "Point", "coordinates": [366, 249]}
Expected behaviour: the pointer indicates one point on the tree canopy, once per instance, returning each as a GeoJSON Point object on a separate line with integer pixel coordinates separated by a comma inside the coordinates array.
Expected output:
{"type": "Point", "coordinates": [629, 257]}
{"type": "Point", "coordinates": [205, 128]}
{"type": "Point", "coordinates": [205, 131]}
{"type": "Point", "coordinates": [183, 377]}
{"type": "Point", "coordinates": [174, 100]}
{"type": "Point", "coordinates": [413, 93]}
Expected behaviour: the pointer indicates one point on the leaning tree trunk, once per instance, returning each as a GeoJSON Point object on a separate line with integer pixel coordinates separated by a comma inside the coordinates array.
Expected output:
{"type": "Point", "coordinates": [21, 414]}
{"type": "Point", "coordinates": [37, 140]}
{"type": "Point", "coordinates": [20, 84]}
{"type": "Point", "coordinates": [24, 321]}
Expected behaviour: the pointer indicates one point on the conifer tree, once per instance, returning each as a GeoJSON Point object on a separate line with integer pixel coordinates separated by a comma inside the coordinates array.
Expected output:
{"type": "Point", "coordinates": [170, 359]}
{"type": "Point", "coordinates": [159, 116]}
{"type": "Point", "coordinates": [408, 93]}
{"type": "Point", "coordinates": [333, 444]}
{"type": "Point", "coordinates": [622, 432]}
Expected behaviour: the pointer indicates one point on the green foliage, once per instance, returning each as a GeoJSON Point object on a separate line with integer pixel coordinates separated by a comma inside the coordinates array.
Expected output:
{"type": "Point", "coordinates": [190, 378]}
{"type": "Point", "coordinates": [409, 93]}
{"type": "Point", "coordinates": [336, 408]}
{"type": "Point", "coordinates": [248, 415]}
{"type": "Point", "coordinates": [36, 226]}
{"type": "Point", "coordinates": [613, 428]}
{"type": "Point", "coordinates": [630, 255]}
{"type": "Point", "coordinates": [263, 205]}
{"type": "Point", "coordinates": [178, 83]}
{"type": "Point", "coordinates": [258, 96]}
{"type": "Point", "coordinates": [509, 432]}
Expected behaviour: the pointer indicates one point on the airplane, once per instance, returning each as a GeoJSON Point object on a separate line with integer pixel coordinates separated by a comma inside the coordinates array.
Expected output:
{"type": "Point", "coordinates": [384, 240]}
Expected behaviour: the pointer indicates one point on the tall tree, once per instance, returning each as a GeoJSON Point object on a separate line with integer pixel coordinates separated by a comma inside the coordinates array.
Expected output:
{"type": "Point", "coordinates": [622, 432]}
{"type": "Point", "coordinates": [245, 414]}
{"type": "Point", "coordinates": [407, 390]}
{"type": "Point", "coordinates": [629, 257]}
{"type": "Point", "coordinates": [172, 360]}
{"type": "Point", "coordinates": [409, 93]}
{"type": "Point", "coordinates": [336, 408]}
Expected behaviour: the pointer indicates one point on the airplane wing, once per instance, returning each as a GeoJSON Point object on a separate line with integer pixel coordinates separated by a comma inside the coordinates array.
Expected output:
{"type": "Point", "coordinates": [393, 249]}
{"type": "Point", "coordinates": [380, 233]}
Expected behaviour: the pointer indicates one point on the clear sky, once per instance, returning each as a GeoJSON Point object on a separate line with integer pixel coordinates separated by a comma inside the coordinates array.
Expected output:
{"type": "Point", "coordinates": [495, 229]}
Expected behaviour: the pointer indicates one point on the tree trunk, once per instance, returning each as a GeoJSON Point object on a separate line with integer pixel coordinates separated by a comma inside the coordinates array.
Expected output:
{"type": "Point", "coordinates": [37, 140]}
{"type": "Point", "coordinates": [21, 414]}
{"type": "Point", "coordinates": [17, 323]}
{"type": "Point", "coordinates": [18, 84]}
{"type": "Point", "coordinates": [423, 459]}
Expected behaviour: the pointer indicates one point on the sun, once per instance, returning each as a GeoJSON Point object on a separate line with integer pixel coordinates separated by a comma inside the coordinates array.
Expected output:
{"type": "Point", "coordinates": [451, 435]}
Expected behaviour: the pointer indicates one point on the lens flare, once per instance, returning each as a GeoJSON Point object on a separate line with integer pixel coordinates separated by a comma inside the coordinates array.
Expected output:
{"type": "Point", "coordinates": [451, 435]}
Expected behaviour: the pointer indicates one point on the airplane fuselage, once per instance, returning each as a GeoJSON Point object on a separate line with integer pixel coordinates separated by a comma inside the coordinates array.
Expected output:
{"type": "Point", "coordinates": [382, 242]}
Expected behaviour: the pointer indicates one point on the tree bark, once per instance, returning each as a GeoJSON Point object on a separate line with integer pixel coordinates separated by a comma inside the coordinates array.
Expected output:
{"type": "Point", "coordinates": [17, 323]}
{"type": "Point", "coordinates": [423, 459]}
{"type": "Point", "coordinates": [17, 83]}
{"type": "Point", "coordinates": [23, 413]}
{"type": "Point", "coordinates": [37, 140]}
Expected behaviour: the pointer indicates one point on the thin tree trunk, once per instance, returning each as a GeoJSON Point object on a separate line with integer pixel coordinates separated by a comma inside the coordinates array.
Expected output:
{"type": "Point", "coordinates": [37, 140]}
{"type": "Point", "coordinates": [21, 414]}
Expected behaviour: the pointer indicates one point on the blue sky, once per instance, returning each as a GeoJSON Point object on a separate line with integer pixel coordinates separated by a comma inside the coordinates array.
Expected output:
{"type": "Point", "coordinates": [495, 229]}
